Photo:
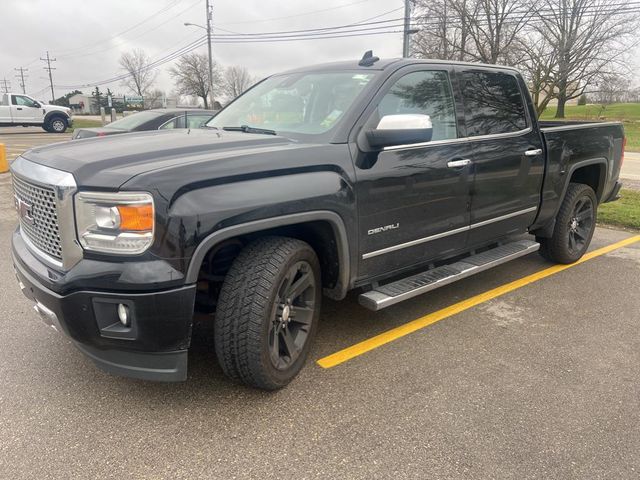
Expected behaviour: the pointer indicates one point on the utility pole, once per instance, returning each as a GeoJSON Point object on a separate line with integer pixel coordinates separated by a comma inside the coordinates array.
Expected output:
{"type": "Point", "coordinates": [209, 14]}
{"type": "Point", "coordinates": [22, 77]}
{"type": "Point", "coordinates": [406, 36]}
{"type": "Point", "coordinates": [49, 68]}
{"type": "Point", "coordinates": [5, 85]}
{"type": "Point", "coordinates": [208, 30]}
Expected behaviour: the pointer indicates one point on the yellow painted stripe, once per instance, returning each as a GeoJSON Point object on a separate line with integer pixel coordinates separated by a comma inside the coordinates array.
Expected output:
{"type": "Point", "coordinates": [399, 332]}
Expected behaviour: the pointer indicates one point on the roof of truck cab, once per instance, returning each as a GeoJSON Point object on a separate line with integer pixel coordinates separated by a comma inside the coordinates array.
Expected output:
{"type": "Point", "coordinates": [383, 64]}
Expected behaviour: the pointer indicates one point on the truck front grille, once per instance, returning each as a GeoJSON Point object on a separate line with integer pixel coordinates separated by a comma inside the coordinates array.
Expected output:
{"type": "Point", "coordinates": [36, 205]}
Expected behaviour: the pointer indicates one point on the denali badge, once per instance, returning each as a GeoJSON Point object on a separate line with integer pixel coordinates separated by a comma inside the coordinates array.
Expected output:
{"type": "Point", "coordinates": [24, 210]}
{"type": "Point", "coordinates": [393, 226]}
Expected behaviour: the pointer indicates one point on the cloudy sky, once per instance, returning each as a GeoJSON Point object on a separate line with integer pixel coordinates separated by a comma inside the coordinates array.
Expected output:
{"type": "Point", "coordinates": [87, 37]}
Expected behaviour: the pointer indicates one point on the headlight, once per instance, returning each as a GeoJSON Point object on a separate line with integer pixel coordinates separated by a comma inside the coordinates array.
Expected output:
{"type": "Point", "coordinates": [119, 222]}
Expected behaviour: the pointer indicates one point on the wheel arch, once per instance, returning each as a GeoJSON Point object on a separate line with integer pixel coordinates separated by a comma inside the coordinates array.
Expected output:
{"type": "Point", "coordinates": [48, 118]}
{"type": "Point", "coordinates": [324, 230]}
{"type": "Point", "coordinates": [589, 172]}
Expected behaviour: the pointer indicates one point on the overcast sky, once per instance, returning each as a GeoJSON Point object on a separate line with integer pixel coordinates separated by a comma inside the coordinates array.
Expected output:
{"type": "Point", "coordinates": [88, 36]}
{"type": "Point", "coordinates": [83, 36]}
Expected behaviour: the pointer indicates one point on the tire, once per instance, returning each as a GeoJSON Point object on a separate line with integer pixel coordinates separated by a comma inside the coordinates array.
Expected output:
{"type": "Point", "coordinates": [57, 124]}
{"type": "Point", "coordinates": [575, 224]}
{"type": "Point", "coordinates": [47, 128]}
{"type": "Point", "coordinates": [268, 312]}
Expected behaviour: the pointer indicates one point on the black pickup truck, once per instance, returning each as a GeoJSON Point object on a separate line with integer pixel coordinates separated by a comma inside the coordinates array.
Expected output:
{"type": "Point", "coordinates": [391, 177]}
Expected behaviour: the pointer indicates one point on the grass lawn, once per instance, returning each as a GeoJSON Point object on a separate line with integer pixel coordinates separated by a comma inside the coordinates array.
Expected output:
{"type": "Point", "coordinates": [629, 113]}
{"type": "Point", "coordinates": [624, 212]}
{"type": "Point", "coordinates": [79, 122]}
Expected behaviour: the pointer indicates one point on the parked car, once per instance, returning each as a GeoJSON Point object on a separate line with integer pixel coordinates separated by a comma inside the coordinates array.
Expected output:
{"type": "Point", "coordinates": [160, 119]}
{"type": "Point", "coordinates": [392, 177]}
{"type": "Point", "coordinates": [17, 109]}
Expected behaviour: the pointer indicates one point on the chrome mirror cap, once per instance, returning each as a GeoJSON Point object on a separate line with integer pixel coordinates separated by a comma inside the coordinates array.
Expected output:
{"type": "Point", "coordinates": [404, 121]}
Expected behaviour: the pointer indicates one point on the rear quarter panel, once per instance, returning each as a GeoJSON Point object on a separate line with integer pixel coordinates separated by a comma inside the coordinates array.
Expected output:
{"type": "Point", "coordinates": [571, 145]}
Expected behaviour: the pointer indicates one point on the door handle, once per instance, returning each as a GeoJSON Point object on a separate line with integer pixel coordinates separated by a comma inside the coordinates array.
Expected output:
{"type": "Point", "coordinates": [459, 163]}
{"type": "Point", "coordinates": [19, 108]}
{"type": "Point", "coordinates": [533, 153]}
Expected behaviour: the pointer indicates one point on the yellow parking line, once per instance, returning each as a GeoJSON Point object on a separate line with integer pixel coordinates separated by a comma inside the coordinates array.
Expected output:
{"type": "Point", "coordinates": [399, 332]}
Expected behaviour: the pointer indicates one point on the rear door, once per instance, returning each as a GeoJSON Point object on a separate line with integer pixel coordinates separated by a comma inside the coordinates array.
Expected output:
{"type": "Point", "coordinates": [412, 201]}
{"type": "Point", "coordinates": [506, 152]}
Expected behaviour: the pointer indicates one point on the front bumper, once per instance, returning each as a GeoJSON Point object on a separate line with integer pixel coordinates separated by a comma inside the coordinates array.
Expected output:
{"type": "Point", "coordinates": [155, 345]}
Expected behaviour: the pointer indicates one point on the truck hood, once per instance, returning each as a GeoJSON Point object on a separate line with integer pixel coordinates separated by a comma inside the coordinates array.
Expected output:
{"type": "Point", "coordinates": [110, 161]}
{"type": "Point", "coordinates": [56, 108]}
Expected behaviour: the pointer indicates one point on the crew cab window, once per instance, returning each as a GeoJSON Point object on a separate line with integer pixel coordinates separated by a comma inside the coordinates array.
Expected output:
{"type": "Point", "coordinates": [493, 103]}
{"type": "Point", "coordinates": [23, 101]}
{"type": "Point", "coordinates": [427, 93]}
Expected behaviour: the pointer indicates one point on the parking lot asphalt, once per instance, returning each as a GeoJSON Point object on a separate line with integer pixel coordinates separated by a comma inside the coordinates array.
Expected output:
{"type": "Point", "coordinates": [18, 139]}
{"type": "Point", "coordinates": [540, 382]}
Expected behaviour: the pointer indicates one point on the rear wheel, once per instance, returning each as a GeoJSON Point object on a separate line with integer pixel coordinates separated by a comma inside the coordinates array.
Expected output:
{"type": "Point", "coordinates": [267, 312]}
{"type": "Point", "coordinates": [575, 224]}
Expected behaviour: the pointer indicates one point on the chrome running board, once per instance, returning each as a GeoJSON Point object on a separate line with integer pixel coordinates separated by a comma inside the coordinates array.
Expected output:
{"type": "Point", "coordinates": [389, 294]}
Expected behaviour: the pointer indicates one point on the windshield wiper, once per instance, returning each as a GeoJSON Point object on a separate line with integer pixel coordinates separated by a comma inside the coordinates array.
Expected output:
{"type": "Point", "coordinates": [248, 129]}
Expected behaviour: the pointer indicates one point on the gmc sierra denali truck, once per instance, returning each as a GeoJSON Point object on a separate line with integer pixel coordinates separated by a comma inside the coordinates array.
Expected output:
{"type": "Point", "coordinates": [391, 177]}
{"type": "Point", "coordinates": [17, 109]}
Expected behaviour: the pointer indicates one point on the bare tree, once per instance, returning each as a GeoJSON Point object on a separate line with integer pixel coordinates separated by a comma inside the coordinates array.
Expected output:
{"type": "Point", "coordinates": [590, 38]}
{"type": "Point", "coordinates": [236, 80]}
{"type": "Point", "coordinates": [493, 26]}
{"type": "Point", "coordinates": [140, 76]}
{"type": "Point", "coordinates": [191, 75]}
{"type": "Point", "coordinates": [443, 33]}
{"type": "Point", "coordinates": [477, 30]}
{"type": "Point", "coordinates": [153, 98]}
{"type": "Point", "coordinates": [612, 88]}
{"type": "Point", "coordinates": [536, 60]}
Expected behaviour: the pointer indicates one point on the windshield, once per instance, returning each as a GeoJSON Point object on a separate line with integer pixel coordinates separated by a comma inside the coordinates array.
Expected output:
{"type": "Point", "coordinates": [132, 121]}
{"type": "Point", "coordinates": [305, 103]}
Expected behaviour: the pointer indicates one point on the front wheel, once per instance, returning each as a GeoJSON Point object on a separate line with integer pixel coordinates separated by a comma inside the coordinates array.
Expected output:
{"type": "Point", "coordinates": [268, 312]}
{"type": "Point", "coordinates": [575, 224]}
{"type": "Point", "coordinates": [57, 125]}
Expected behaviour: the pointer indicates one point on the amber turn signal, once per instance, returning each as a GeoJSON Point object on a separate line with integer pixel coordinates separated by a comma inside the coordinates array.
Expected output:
{"type": "Point", "coordinates": [136, 218]}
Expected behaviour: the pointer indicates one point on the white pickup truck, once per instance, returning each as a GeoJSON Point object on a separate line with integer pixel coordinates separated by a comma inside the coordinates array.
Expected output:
{"type": "Point", "coordinates": [19, 109]}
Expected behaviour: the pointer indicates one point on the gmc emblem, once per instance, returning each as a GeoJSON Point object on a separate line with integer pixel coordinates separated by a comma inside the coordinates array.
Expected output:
{"type": "Point", "coordinates": [24, 210]}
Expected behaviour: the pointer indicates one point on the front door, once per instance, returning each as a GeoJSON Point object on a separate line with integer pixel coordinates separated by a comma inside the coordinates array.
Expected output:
{"type": "Point", "coordinates": [507, 155]}
{"type": "Point", "coordinates": [24, 109]}
{"type": "Point", "coordinates": [412, 200]}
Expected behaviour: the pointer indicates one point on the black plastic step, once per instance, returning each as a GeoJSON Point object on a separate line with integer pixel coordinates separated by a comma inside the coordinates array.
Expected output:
{"type": "Point", "coordinates": [403, 289]}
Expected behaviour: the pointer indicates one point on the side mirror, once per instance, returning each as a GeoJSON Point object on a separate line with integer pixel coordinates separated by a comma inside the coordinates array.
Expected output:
{"type": "Point", "coordinates": [401, 129]}
{"type": "Point", "coordinates": [37, 104]}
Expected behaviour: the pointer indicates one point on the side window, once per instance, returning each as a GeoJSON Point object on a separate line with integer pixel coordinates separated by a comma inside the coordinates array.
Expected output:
{"type": "Point", "coordinates": [23, 101]}
{"type": "Point", "coordinates": [177, 122]}
{"type": "Point", "coordinates": [428, 93]}
{"type": "Point", "coordinates": [197, 121]}
{"type": "Point", "coordinates": [493, 103]}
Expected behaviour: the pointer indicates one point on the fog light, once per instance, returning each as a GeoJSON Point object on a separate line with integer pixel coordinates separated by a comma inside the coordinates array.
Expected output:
{"type": "Point", "coordinates": [123, 314]}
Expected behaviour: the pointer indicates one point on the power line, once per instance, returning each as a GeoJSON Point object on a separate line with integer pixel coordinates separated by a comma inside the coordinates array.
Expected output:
{"type": "Point", "coordinates": [49, 68]}
{"type": "Point", "coordinates": [22, 76]}
{"type": "Point", "coordinates": [263, 20]}
{"type": "Point", "coordinates": [172, 18]}
{"type": "Point", "coordinates": [67, 53]}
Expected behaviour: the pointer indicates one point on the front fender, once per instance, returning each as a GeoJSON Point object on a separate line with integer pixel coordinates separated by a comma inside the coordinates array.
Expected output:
{"type": "Point", "coordinates": [199, 219]}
